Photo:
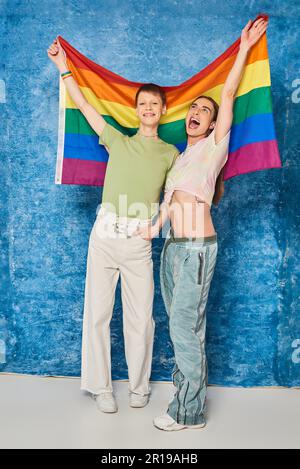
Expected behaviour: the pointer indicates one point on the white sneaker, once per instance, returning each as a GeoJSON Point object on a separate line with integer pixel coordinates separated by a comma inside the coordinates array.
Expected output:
{"type": "Point", "coordinates": [167, 423]}
{"type": "Point", "coordinates": [137, 400]}
{"type": "Point", "coordinates": [106, 402]}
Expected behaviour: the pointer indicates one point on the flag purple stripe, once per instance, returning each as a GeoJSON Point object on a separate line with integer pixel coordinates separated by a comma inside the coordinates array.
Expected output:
{"type": "Point", "coordinates": [252, 157]}
{"type": "Point", "coordinates": [76, 171]}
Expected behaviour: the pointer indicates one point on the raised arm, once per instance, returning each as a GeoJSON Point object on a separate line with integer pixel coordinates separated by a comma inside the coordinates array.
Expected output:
{"type": "Point", "coordinates": [58, 57]}
{"type": "Point", "coordinates": [250, 35]}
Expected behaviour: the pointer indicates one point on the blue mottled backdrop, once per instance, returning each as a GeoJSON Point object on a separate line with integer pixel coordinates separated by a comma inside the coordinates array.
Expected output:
{"type": "Point", "coordinates": [253, 331]}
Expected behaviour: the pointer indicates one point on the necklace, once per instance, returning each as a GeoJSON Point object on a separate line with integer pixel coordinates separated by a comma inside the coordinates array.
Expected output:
{"type": "Point", "coordinates": [147, 136]}
{"type": "Point", "coordinates": [191, 144]}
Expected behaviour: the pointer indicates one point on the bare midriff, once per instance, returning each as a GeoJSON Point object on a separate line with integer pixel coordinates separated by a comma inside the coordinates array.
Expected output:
{"type": "Point", "coordinates": [190, 217]}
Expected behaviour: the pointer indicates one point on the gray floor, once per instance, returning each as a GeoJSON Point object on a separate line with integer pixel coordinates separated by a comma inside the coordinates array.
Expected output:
{"type": "Point", "coordinates": [40, 412]}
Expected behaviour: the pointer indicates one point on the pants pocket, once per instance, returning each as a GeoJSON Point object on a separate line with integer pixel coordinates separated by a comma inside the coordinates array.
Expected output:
{"type": "Point", "coordinates": [200, 267]}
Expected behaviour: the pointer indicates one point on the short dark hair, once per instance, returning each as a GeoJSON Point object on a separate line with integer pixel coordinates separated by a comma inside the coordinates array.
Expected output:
{"type": "Point", "coordinates": [152, 88]}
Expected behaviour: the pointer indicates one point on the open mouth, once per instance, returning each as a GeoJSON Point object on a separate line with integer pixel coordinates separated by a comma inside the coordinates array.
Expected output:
{"type": "Point", "coordinates": [193, 123]}
{"type": "Point", "coordinates": [149, 114]}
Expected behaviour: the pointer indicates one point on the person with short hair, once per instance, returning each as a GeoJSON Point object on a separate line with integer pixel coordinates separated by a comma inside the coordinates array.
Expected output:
{"type": "Point", "coordinates": [135, 175]}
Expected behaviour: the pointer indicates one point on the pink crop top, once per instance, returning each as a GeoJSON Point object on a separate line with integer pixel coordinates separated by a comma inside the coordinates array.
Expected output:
{"type": "Point", "coordinates": [196, 170]}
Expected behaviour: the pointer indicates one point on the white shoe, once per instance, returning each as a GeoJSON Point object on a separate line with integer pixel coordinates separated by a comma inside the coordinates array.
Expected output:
{"type": "Point", "coordinates": [106, 402]}
{"type": "Point", "coordinates": [137, 400]}
{"type": "Point", "coordinates": [167, 423]}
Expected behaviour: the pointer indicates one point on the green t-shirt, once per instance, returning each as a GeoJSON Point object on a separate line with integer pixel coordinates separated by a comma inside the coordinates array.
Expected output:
{"type": "Point", "coordinates": [136, 172]}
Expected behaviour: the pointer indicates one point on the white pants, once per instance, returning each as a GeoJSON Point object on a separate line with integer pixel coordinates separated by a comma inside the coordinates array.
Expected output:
{"type": "Point", "coordinates": [111, 252]}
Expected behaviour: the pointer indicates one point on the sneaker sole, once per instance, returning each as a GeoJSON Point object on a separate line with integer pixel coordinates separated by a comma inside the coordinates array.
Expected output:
{"type": "Point", "coordinates": [107, 411]}
{"type": "Point", "coordinates": [191, 427]}
{"type": "Point", "coordinates": [138, 406]}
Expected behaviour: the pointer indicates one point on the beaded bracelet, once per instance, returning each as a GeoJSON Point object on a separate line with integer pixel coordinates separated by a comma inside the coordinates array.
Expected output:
{"type": "Point", "coordinates": [66, 74]}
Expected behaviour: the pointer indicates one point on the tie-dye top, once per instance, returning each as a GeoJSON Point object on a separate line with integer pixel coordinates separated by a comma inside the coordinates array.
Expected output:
{"type": "Point", "coordinates": [196, 170]}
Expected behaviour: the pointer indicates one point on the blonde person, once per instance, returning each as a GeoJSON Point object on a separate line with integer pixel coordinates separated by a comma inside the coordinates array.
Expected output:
{"type": "Point", "coordinates": [190, 251]}
{"type": "Point", "coordinates": [135, 175]}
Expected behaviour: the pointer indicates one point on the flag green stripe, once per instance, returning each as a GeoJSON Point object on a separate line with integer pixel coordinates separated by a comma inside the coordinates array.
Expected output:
{"type": "Point", "coordinates": [76, 123]}
{"type": "Point", "coordinates": [257, 101]}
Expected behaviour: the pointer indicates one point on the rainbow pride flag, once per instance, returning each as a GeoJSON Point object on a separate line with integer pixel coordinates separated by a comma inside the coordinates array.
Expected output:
{"type": "Point", "coordinates": [253, 145]}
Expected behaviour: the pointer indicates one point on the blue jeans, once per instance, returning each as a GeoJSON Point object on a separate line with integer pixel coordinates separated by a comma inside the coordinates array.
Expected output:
{"type": "Point", "coordinates": [186, 271]}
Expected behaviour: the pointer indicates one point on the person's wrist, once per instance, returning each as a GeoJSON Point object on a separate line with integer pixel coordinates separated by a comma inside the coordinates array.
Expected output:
{"type": "Point", "coordinates": [62, 67]}
{"type": "Point", "coordinates": [244, 48]}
